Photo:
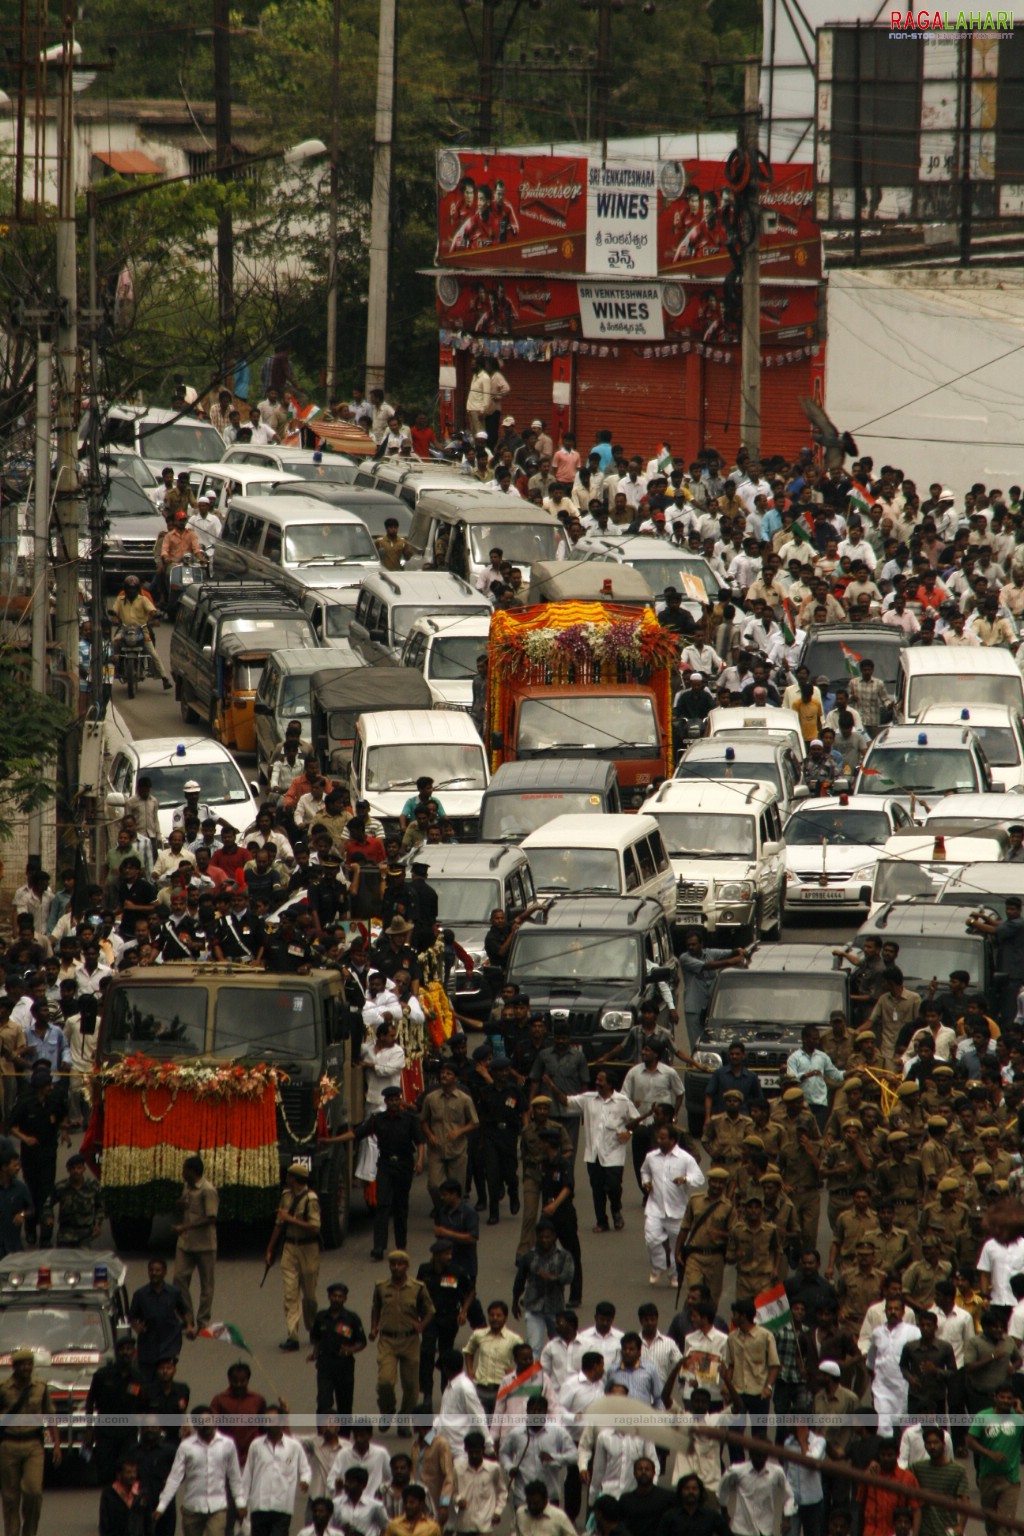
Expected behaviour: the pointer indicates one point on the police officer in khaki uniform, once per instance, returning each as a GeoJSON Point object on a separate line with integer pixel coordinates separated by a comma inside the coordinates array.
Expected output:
{"type": "Point", "coordinates": [754, 1249]}
{"type": "Point", "coordinates": [859, 1288]}
{"type": "Point", "coordinates": [780, 1213]}
{"type": "Point", "coordinates": [994, 1153]}
{"type": "Point", "coordinates": [704, 1234]}
{"type": "Point", "coordinates": [945, 1215]}
{"type": "Point", "coordinates": [837, 1041]}
{"type": "Point", "coordinates": [901, 1177]}
{"type": "Point", "coordinates": [401, 1310]}
{"type": "Point", "coordinates": [921, 1277]}
{"type": "Point", "coordinates": [907, 1114]}
{"type": "Point", "coordinates": [849, 1229]}
{"type": "Point", "coordinates": [801, 1162]}
{"type": "Point", "coordinates": [893, 1245]}
{"type": "Point", "coordinates": [297, 1228]}
{"type": "Point", "coordinates": [845, 1162]}
{"type": "Point", "coordinates": [934, 1155]}
{"type": "Point", "coordinates": [533, 1160]}
{"type": "Point", "coordinates": [724, 1133]}
{"type": "Point", "coordinates": [22, 1458]}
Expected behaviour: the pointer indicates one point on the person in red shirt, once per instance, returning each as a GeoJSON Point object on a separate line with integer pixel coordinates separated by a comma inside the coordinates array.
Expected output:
{"type": "Point", "coordinates": [422, 434]}
{"type": "Point", "coordinates": [878, 1504]}
{"type": "Point", "coordinates": [360, 842]}
{"type": "Point", "coordinates": [931, 593]}
{"type": "Point", "coordinates": [239, 1402]}
{"type": "Point", "coordinates": [229, 857]}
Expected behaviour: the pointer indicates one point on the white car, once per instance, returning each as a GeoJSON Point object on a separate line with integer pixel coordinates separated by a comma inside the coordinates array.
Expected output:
{"type": "Point", "coordinates": [832, 846]}
{"type": "Point", "coordinates": [445, 650]}
{"type": "Point", "coordinates": [997, 727]}
{"type": "Point", "coordinates": [169, 763]}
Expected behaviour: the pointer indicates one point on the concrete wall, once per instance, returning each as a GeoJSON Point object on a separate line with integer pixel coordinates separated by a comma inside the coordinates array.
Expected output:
{"type": "Point", "coordinates": [924, 368]}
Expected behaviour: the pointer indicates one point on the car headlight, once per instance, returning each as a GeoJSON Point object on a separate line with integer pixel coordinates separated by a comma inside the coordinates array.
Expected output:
{"type": "Point", "coordinates": [735, 890]}
{"type": "Point", "coordinates": [792, 878]}
{"type": "Point", "coordinates": [616, 1018]}
{"type": "Point", "coordinates": [709, 1060]}
{"type": "Point", "coordinates": [864, 875]}
{"type": "Point", "coordinates": [112, 546]}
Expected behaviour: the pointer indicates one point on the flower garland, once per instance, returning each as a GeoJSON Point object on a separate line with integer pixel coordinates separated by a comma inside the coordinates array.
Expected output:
{"type": "Point", "coordinates": [623, 643]}
{"type": "Point", "coordinates": [326, 1090]}
{"type": "Point", "coordinates": [198, 1078]}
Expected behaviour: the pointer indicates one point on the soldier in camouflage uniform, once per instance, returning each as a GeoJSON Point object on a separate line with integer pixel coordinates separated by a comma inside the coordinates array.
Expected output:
{"type": "Point", "coordinates": [724, 1133]}
{"type": "Point", "coordinates": [81, 1208]}
{"type": "Point", "coordinates": [704, 1234]}
{"type": "Point", "coordinates": [754, 1249]}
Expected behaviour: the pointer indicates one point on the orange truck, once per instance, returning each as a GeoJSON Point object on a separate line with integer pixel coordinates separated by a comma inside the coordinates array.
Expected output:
{"type": "Point", "coordinates": [582, 680]}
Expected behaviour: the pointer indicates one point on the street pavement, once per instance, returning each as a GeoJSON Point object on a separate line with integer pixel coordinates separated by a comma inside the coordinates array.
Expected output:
{"type": "Point", "coordinates": [615, 1263]}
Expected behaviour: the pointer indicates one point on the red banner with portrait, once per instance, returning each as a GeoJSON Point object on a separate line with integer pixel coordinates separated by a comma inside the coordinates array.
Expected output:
{"type": "Point", "coordinates": [697, 221]}
{"type": "Point", "coordinates": [511, 211]}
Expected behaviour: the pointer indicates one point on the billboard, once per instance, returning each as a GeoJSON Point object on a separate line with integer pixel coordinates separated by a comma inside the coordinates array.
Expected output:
{"type": "Point", "coordinates": [517, 212]}
{"type": "Point", "coordinates": [697, 221]}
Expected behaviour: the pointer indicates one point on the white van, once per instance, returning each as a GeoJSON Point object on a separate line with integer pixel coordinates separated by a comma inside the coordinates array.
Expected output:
{"type": "Point", "coordinates": [270, 537]}
{"type": "Point", "coordinates": [583, 855]}
{"type": "Point", "coordinates": [998, 728]}
{"type": "Point", "coordinates": [767, 719]}
{"type": "Point", "coordinates": [724, 838]}
{"type": "Point", "coordinates": [395, 747]}
{"type": "Point", "coordinates": [917, 864]}
{"type": "Point", "coordinates": [976, 675]}
{"type": "Point", "coordinates": [445, 650]}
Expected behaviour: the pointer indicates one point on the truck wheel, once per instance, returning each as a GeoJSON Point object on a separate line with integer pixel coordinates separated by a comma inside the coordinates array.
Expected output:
{"type": "Point", "coordinates": [130, 1233]}
{"type": "Point", "coordinates": [334, 1199]}
{"type": "Point", "coordinates": [752, 934]}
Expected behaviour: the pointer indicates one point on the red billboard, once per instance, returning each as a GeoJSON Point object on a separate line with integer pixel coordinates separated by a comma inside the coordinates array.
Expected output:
{"type": "Point", "coordinates": [698, 313]}
{"type": "Point", "coordinates": [512, 211]}
{"type": "Point", "coordinates": [697, 221]}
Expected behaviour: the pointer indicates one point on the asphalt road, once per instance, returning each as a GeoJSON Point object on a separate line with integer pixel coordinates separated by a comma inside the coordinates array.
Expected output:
{"type": "Point", "coordinates": [615, 1264]}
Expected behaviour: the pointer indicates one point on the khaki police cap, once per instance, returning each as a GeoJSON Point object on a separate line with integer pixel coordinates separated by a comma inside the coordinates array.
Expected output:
{"type": "Point", "coordinates": [946, 1185]}
{"type": "Point", "coordinates": [907, 1090]}
{"type": "Point", "coordinates": [981, 1166]}
{"type": "Point", "coordinates": [936, 1123]}
{"type": "Point", "coordinates": [897, 1136]}
{"type": "Point", "coordinates": [718, 1173]}
{"type": "Point", "coordinates": [398, 1256]}
{"type": "Point", "coordinates": [792, 1094]}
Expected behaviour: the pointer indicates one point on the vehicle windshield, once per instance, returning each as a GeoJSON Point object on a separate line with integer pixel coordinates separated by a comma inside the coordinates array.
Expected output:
{"type": "Point", "coordinates": [288, 634]}
{"type": "Point", "coordinates": [278, 1025]}
{"type": "Point", "coordinates": [896, 770]}
{"type": "Point", "coordinates": [923, 957]}
{"type": "Point", "coordinates": [466, 901]}
{"type": "Point", "coordinates": [573, 956]}
{"type": "Point", "coordinates": [776, 999]}
{"type": "Point", "coordinates": [952, 688]}
{"type": "Point", "coordinates": [510, 818]}
{"type": "Point", "coordinates": [61, 1328]}
{"type": "Point", "coordinates": [825, 658]}
{"type": "Point", "coordinates": [326, 470]}
{"type": "Point", "coordinates": [132, 464]}
{"type": "Point", "coordinates": [123, 498]}
{"type": "Point", "coordinates": [605, 724]}
{"type": "Point", "coordinates": [454, 660]}
{"type": "Point", "coordinates": [707, 836]}
{"type": "Point", "coordinates": [586, 870]}
{"type": "Point", "coordinates": [294, 698]}
{"type": "Point", "coordinates": [524, 545]}
{"type": "Point", "coordinates": [451, 766]}
{"type": "Point", "coordinates": [999, 745]}
{"type": "Point", "coordinates": [181, 441]}
{"type": "Point", "coordinates": [404, 616]}
{"type": "Point", "coordinates": [839, 827]}
{"type": "Point", "coordinates": [708, 767]}
{"type": "Point", "coordinates": [896, 878]}
{"type": "Point", "coordinates": [661, 571]}
{"type": "Point", "coordinates": [328, 544]}
{"type": "Point", "coordinates": [171, 1020]}
{"type": "Point", "coordinates": [217, 782]}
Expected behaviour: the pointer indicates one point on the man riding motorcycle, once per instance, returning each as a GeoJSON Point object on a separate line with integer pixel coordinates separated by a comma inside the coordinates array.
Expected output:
{"type": "Point", "coordinates": [134, 607]}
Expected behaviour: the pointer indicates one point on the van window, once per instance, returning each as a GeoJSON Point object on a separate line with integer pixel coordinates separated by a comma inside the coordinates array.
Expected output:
{"type": "Point", "coordinates": [645, 857]}
{"type": "Point", "coordinates": [272, 544]}
{"type": "Point", "coordinates": [954, 687]}
{"type": "Point", "coordinates": [764, 829]}
{"type": "Point", "coordinates": [233, 526]}
{"type": "Point", "coordinates": [658, 849]}
{"type": "Point", "coordinates": [631, 870]}
{"type": "Point", "coordinates": [251, 534]}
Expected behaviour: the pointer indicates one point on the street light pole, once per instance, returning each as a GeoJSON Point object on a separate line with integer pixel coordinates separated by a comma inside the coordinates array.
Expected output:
{"type": "Point", "coordinates": [750, 339]}
{"type": "Point", "coordinates": [380, 208]}
{"type": "Point", "coordinates": [331, 380]}
{"type": "Point", "coordinates": [225, 155]}
{"type": "Point", "coordinates": [66, 402]}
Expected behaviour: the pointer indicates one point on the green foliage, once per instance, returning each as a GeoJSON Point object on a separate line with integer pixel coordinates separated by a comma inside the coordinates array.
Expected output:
{"type": "Point", "coordinates": [34, 727]}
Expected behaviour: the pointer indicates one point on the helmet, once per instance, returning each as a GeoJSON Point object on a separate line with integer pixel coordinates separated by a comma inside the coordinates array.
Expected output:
{"type": "Point", "coordinates": [181, 516]}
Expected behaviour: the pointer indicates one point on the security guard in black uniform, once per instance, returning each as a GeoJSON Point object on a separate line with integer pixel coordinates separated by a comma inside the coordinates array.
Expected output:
{"type": "Point", "coordinates": [557, 1203]}
{"type": "Point", "coordinates": [337, 1336]}
{"type": "Point", "coordinates": [451, 1290]}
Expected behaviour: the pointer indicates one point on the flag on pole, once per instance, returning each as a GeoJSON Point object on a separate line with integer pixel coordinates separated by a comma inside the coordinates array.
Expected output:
{"type": "Point", "coordinates": [800, 532]}
{"type": "Point", "coordinates": [861, 497]}
{"type": "Point", "coordinates": [225, 1333]}
{"type": "Point", "coordinates": [852, 660]}
{"type": "Point", "coordinates": [788, 621]}
{"type": "Point", "coordinates": [771, 1309]}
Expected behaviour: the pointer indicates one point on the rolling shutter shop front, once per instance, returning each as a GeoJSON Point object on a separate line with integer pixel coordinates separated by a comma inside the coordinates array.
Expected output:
{"type": "Point", "coordinates": [529, 383]}
{"type": "Point", "coordinates": [640, 400]}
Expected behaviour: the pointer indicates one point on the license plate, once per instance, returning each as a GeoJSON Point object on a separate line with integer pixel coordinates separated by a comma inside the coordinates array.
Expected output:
{"type": "Point", "coordinates": [305, 1160]}
{"type": "Point", "coordinates": [768, 1079]}
{"type": "Point", "coordinates": [821, 893]}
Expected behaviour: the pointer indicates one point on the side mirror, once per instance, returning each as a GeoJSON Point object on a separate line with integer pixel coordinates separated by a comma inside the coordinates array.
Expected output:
{"type": "Point", "coordinates": [261, 707]}
{"type": "Point", "coordinates": [771, 849]}
{"type": "Point", "coordinates": [802, 792]}
{"type": "Point", "coordinates": [115, 801]}
{"type": "Point", "coordinates": [661, 973]}
{"type": "Point", "coordinates": [255, 789]}
{"type": "Point", "coordinates": [998, 789]}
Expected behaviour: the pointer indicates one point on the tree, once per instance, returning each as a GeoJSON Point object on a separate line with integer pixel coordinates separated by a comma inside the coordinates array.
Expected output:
{"type": "Point", "coordinates": [34, 729]}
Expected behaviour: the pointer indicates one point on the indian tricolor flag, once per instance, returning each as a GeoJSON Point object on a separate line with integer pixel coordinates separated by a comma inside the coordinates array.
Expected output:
{"type": "Point", "coordinates": [788, 620]}
{"type": "Point", "coordinates": [771, 1309]}
{"type": "Point", "coordinates": [861, 497]}
{"type": "Point", "coordinates": [852, 660]}
{"type": "Point", "coordinates": [225, 1333]}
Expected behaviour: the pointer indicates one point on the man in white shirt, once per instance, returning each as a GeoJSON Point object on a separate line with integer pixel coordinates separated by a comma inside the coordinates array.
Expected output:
{"type": "Point", "coordinates": [702, 1354]}
{"type": "Point", "coordinates": [632, 485]}
{"type": "Point", "coordinates": [580, 1391]}
{"type": "Point", "coordinates": [606, 1456]}
{"type": "Point", "coordinates": [889, 1386]}
{"type": "Point", "coordinates": [539, 1450]}
{"type": "Point", "coordinates": [668, 1177]}
{"type": "Point", "coordinates": [997, 1263]}
{"type": "Point", "coordinates": [354, 1511]}
{"type": "Point", "coordinates": [956, 1325]}
{"type": "Point", "coordinates": [261, 432]}
{"type": "Point", "coordinates": [562, 1356]}
{"type": "Point", "coordinates": [479, 1491]}
{"type": "Point", "coordinates": [382, 1058]}
{"type": "Point", "coordinates": [461, 1411]}
{"type": "Point", "coordinates": [360, 1452]}
{"type": "Point", "coordinates": [606, 1118]}
{"type": "Point", "coordinates": [756, 1495]}
{"type": "Point", "coordinates": [602, 1336]}
{"type": "Point", "coordinates": [276, 1472]}
{"type": "Point", "coordinates": [206, 1468]}
{"type": "Point", "coordinates": [753, 485]}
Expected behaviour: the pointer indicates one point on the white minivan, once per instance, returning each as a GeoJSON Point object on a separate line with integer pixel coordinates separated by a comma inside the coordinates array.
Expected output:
{"type": "Point", "coordinates": [582, 855]}
{"type": "Point", "coordinates": [395, 747]}
{"type": "Point", "coordinates": [972, 675]}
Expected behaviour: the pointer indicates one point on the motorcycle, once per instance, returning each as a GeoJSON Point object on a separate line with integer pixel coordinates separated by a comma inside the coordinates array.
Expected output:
{"type": "Point", "coordinates": [179, 578]}
{"type": "Point", "coordinates": [133, 660]}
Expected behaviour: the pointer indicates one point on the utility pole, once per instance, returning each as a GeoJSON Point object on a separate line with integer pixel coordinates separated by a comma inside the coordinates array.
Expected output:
{"type": "Point", "coordinates": [67, 487]}
{"type": "Point", "coordinates": [331, 380]}
{"type": "Point", "coordinates": [487, 73]}
{"type": "Point", "coordinates": [603, 74]}
{"type": "Point", "coordinates": [40, 540]}
{"type": "Point", "coordinates": [225, 155]}
{"type": "Point", "coordinates": [380, 207]}
{"type": "Point", "coordinates": [750, 346]}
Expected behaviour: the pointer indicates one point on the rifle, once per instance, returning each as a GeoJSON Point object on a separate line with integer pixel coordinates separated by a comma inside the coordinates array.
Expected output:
{"type": "Point", "coordinates": [274, 1246]}
{"type": "Point", "coordinates": [684, 1252]}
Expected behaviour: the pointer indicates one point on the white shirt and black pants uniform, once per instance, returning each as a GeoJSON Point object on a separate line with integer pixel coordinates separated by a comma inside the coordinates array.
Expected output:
{"type": "Point", "coordinates": [604, 1150]}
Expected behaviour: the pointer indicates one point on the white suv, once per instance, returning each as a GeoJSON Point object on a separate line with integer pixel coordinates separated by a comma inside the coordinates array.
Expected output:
{"type": "Point", "coordinates": [724, 838]}
{"type": "Point", "coordinates": [445, 650]}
